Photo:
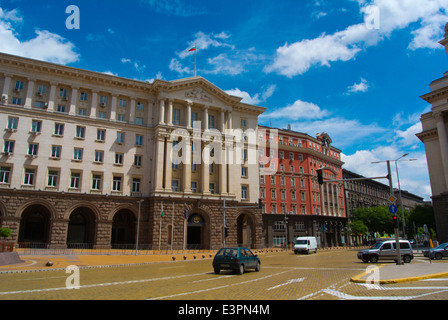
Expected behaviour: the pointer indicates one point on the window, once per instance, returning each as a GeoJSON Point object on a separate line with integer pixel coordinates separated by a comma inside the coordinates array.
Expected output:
{"type": "Point", "coordinates": [116, 183]}
{"type": "Point", "coordinates": [13, 123]}
{"type": "Point", "coordinates": [194, 117]}
{"type": "Point", "coordinates": [33, 149]}
{"type": "Point", "coordinates": [56, 152]}
{"type": "Point", "coordinates": [29, 177]}
{"type": "Point", "coordinates": [101, 115]}
{"type": "Point", "coordinates": [100, 135]}
{"type": "Point", "coordinates": [273, 194]}
{"type": "Point", "coordinates": [5, 173]}
{"type": "Point", "coordinates": [138, 140]}
{"type": "Point", "coordinates": [60, 108]}
{"type": "Point", "coordinates": [122, 103]}
{"type": "Point", "coordinates": [80, 132]}
{"type": "Point", "coordinates": [243, 123]}
{"type": "Point", "coordinates": [36, 126]}
{"type": "Point", "coordinates": [176, 116]}
{"type": "Point", "coordinates": [138, 160]}
{"type": "Point", "coordinates": [41, 90]}
{"type": "Point", "coordinates": [140, 106]}
{"type": "Point", "coordinates": [9, 146]}
{"type": "Point", "coordinates": [99, 156]}
{"type": "Point", "coordinates": [59, 129]}
{"type": "Point", "coordinates": [293, 182]}
{"type": "Point", "coordinates": [293, 195]}
{"type": "Point", "coordinates": [118, 158]}
{"type": "Point", "coordinates": [77, 154]}
{"type": "Point", "coordinates": [84, 96]}
{"type": "Point", "coordinates": [211, 122]}
{"type": "Point", "coordinates": [136, 185]}
{"type": "Point", "coordinates": [82, 112]}
{"type": "Point", "coordinates": [75, 180]}
{"type": "Point", "coordinates": [244, 172]}
{"type": "Point", "coordinates": [291, 156]}
{"type": "Point", "coordinates": [174, 185]}
{"type": "Point", "coordinates": [244, 192]}
{"type": "Point", "coordinates": [17, 101]}
{"type": "Point", "coordinates": [121, 117]}
{"type": "Point", "coordinates": [19, 85]}
{"type": "Point", "coordinates": [120, 137]}
{"type": "Point", "coordinates": [103, 100]}
{"type": "Point", "coordinates": [96, 181]}
{"type": "Point", "coordinates": [283, 194]}
{"type": "Point", "coordinates": [194, 186]}
{"type": "Point", "coordinates": [211, 187]}
{"type": "Point", "coordinates": [139, 121]}
{"type": "Point", "coordinates": [63, 93]}
{"type": "Point", "coordinates": [52, 178]}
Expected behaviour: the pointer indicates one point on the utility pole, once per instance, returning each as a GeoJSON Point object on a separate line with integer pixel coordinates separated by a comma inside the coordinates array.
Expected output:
{"type": "Point", "coordinates": [397, 238]}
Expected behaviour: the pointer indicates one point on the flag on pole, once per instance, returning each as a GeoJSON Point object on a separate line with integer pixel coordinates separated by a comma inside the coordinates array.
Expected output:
{"type": "Point", "coordinates": [192, 49]}
{"type": "Point", "coordinates": [161, 213]}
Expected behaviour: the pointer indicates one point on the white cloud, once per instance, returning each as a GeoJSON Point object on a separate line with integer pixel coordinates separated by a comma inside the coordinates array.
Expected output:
{"type": "Point", "coordinates": [413, 174]}
{"type": "Point", "coordinates": [176, 66]}
{"type": "Point", "coordinates": [363, 86]}
{"type": "Point", "coordinates": [297, 58]}
{"type": "Point", "coordinates": [299, 110]}
{"type": "Point", "coordinates": [257, 98]}
{"type": "Point", "coordinates": [45, 46]}
{"type": "Point", "coordinates": [204, 41]}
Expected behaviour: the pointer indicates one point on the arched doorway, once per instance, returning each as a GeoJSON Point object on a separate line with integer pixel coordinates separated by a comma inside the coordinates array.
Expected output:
{"type": "Point", "coordinates": [35, 226]}
{"type": "Point", "coordinates": [246, 231]}
{"type": "Point", "coordinates": [197, 232]}
{"type": "Point", "coordinates": [123, 229]}
{"type": "Point", "coordinates": [81, 229]}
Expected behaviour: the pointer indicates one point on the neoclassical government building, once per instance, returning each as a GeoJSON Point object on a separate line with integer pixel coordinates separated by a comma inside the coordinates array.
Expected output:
{"type": "Point", "coordinates": [93, 160]}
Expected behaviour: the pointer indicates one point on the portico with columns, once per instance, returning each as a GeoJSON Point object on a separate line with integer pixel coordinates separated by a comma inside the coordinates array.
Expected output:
{"type": "Point", "coordinates": [435, 138]}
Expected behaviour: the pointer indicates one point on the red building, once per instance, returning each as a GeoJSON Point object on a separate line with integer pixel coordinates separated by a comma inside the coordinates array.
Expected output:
{"type": "Point", "coordinates": [291, 192]}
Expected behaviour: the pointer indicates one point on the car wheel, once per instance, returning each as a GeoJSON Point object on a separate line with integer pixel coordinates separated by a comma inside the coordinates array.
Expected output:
{"type": "Point", "coordinates": [257, 267]}
{"type": "Point", "coordinates": [407, 259]}
{"type": "Point", "coordinates": [374, 258]}
{"type": "Point", "coordinates": [217, 271]}
{"type": "Point", "coordinates": [365, 259]}
{"type": "Point", "coordinates": [438, 256]}
{"type": "Point", "coordinates": [241, 269]}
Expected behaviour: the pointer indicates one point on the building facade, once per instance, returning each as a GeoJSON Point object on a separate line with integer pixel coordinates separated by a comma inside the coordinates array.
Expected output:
{"type": "Point", "coordinates": [89, 159]}
{"type": "Point", "coordinates": [435, 138]}
{"type": "Point", "coordinates": [293, 202]}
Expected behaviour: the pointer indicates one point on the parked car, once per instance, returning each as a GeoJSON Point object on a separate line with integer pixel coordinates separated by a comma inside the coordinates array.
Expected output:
{"type": "Point", "coordinates": [305, 245]}
{"type": "Point", "coordinates": [237, 259]}
{"type": "Point", "coordinates": [438, 252]}
{"type": "Point", "coordinates": [386, 250]}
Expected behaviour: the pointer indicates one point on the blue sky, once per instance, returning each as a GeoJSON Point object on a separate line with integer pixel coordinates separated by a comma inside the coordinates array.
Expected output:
{"type": "Point", "coordinates": [352, 68]}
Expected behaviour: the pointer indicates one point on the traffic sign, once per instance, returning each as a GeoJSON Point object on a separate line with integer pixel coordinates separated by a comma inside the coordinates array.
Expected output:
{"type": "Point", "coordinates": [392, 199]}
{"type": "Point", "coordinates": [393, 208]}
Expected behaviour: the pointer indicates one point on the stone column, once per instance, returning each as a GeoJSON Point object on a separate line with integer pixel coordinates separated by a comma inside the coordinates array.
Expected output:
{"type": "Point", "coordinates": [170, 112]}
{"type": "Point", "coordinates": [29, 93]}
{"type": "Point", "coordinates": [168, 164]}
{"type": "Point", "coordinates": [189, 105]}
{"type": "Point", "coordinates": [187, 168]}
{"type": "Point", "coordinates": [229, 120]}
{"type": "Point", "coordinates": [6, 87]}
{"type": "Point", "coordinates": [443, 141]}
{"type": "Point", "coordinates": [94, 104]}
{"type": "Point", "coordinates": [205, 170]}
{"type": "Point", "coordinates": [73, 100]}
{"type": "Point", "coordinates": [162, 111]}
{"type": "Point", "coordinates": [205, 121]}
{"type": "Point", "coordinates": [158, 163]}
{"type": "Point", "coordinates": [52, 97]}
{"type": "Point", "coordinates": [113, 109]}
{"type": "Point", "coordinates": [132, 111]}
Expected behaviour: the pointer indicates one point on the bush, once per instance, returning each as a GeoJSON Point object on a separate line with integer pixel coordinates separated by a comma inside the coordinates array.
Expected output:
{"type": "Point", "coordinates": [5, 232]}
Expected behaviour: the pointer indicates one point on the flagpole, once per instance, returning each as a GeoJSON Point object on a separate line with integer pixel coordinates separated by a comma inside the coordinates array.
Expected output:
{"type": "Point", "coordinates": [185, 224]}
{"type": "Point", "coordinates": [195, 52]}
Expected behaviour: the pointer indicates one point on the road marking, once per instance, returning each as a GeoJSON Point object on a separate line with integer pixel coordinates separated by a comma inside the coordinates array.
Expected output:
{"type": "Point", "coordinates": [286, 283]}
{"type": "Point", "coordinates": [101, 284]}
{"type": "Point", "coordinates": [345, 296]}
{"type": "Point", "coordinates": [216, 288]}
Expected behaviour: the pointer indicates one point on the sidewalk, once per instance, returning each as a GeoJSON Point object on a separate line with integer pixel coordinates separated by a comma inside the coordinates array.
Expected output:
{"type": "Point", "coordinates": [392, 273]}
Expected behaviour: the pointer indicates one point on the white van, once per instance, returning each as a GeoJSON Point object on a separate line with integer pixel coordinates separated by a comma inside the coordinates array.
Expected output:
{"type": "Point", "coordinates": [305, 245]}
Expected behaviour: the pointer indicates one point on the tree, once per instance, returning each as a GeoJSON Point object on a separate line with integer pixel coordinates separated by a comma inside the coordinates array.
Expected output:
{"type": "Point", "coordinates": [419, 216]}
{"type": "Point", "coordinates": [358, 228]}
{"type": "Point", "coordinates": [5, 232]}
{"type": "Point", "coordinates": [376, 219]}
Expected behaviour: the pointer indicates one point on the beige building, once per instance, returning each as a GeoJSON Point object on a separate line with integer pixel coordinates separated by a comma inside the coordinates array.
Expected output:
{"type": "Point", "coordinates": [435, 138]}
{"type": "Point", "coordinates": [81, 149]}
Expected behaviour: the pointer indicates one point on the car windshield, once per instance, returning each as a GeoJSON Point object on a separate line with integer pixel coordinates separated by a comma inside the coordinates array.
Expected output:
{"type": "Point", "coordinates": [441, 246]}
{"type": "Point", "coordinates": [228, 252]}
{"type": "Point", "coordinates": [301, 242]}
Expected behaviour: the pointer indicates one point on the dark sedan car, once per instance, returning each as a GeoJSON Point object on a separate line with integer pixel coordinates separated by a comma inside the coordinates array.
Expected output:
{"type": "Point", "coordinates": [237, 259]}
{"type": "Point", "coordinates": [438, 252]}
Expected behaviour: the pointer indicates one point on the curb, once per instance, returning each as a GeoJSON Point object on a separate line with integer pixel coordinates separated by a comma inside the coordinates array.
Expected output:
{"type": "Point", "coordinates": [357, 279]}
